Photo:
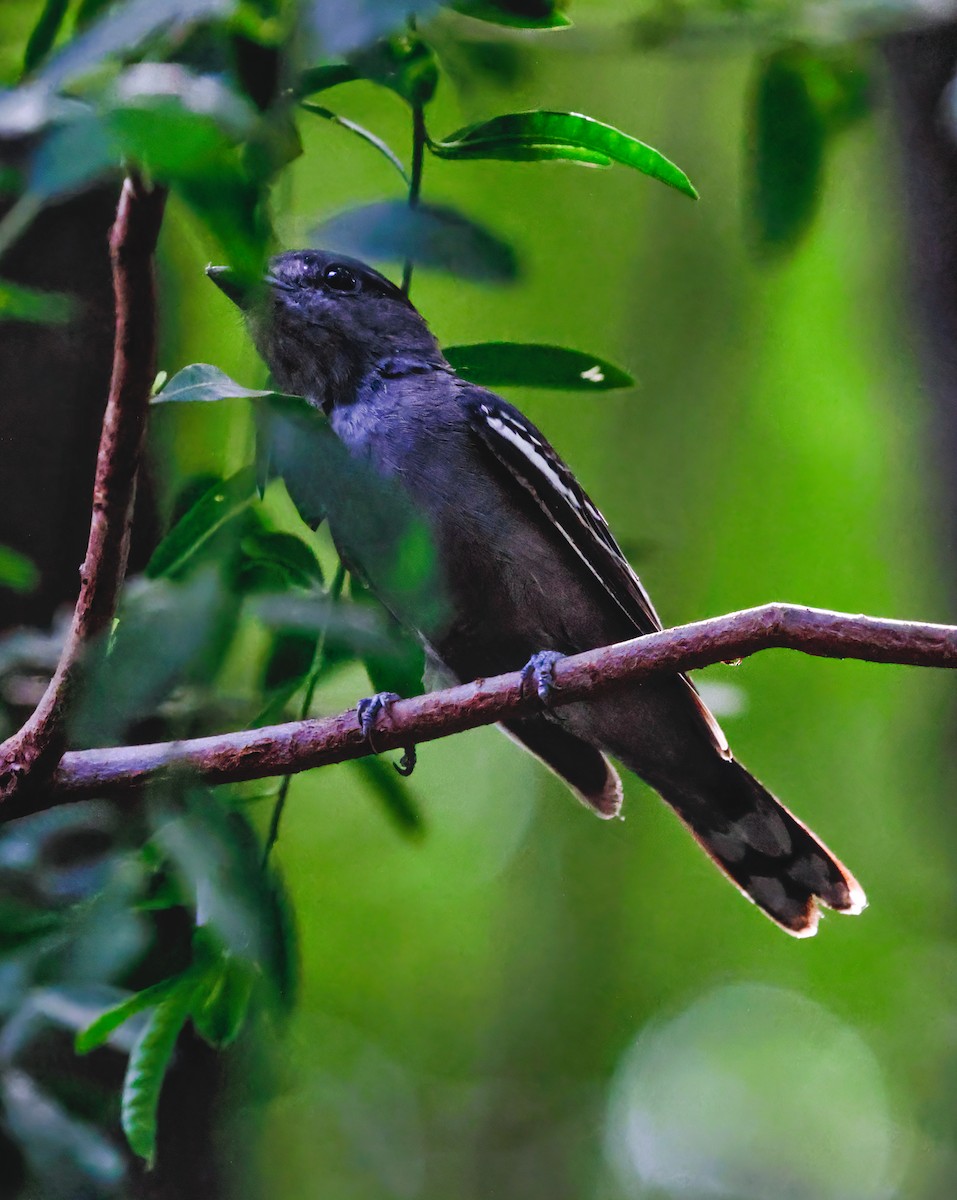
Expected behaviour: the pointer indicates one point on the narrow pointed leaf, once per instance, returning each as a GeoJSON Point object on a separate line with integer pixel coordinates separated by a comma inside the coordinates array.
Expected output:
{"type": "Point", "coordinates": [360, 131]}
{"type": "Point", "coordinates": [539, 134]}
{"type": "Point", "coordinates": [206, 517]}
{"type": "Point", "coordinates": [149, 1061]}
{"type": "Point", "coordinates": [526, 364]}
{"type": "Point", "coordinates": [99, 1031]}
{"type": "Point", "coordinates": [44, 32]}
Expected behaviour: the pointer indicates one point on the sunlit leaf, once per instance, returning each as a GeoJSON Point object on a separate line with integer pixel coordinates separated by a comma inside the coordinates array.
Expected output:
{"type": "Point", "coordinates": [146, 1070]}
{"type": "Point", "coordinates": [537, 135]}
{"type": "Point", "coordinates": [523, 14]}
{"type": "Point", "coordinates": [27, 304]}
{"type": "Point", "coordinates": [16, 571]}
{"type": "Point", "coordinates": [430, 235]}
{"type": "Point", "coordinates": [391, 791]}
{"type": "Point", "coordinates": [45, 32]}
{"type": "Point", "coordinates": [101, 1029]}
{"type": "Point", "coordinates": [524, 364]}
{"type": "Point", "coordinates": [223, 501]}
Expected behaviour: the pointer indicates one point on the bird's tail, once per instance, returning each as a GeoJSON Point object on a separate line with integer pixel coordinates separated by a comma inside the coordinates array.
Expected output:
{"type": "Point", "coordinates": [774, 859]}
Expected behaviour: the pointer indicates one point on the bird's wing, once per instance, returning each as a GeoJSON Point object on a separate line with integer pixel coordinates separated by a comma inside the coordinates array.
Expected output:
{"type": "Point", "coordinates": [531, 461]}
{"type": "Point", "coordinates": [527, 456]}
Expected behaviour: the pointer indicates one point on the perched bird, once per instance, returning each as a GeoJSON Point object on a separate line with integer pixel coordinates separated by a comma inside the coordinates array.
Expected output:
{"type": "Point", "coordinates": [528, 568]}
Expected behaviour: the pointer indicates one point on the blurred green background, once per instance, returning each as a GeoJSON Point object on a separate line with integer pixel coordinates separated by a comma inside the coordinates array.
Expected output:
{"type": "Point", "coordinates": [527, 1002]}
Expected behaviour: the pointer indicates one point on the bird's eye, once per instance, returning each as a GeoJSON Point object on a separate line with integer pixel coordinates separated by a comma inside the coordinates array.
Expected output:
{"type": "Point", "coordinates": [340, 279]}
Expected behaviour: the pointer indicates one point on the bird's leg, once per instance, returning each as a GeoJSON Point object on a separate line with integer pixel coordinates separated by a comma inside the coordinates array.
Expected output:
{"type": "Point", "coordinates": [540, 670]}
{"type": "Point", "coordinates": [367, 712]}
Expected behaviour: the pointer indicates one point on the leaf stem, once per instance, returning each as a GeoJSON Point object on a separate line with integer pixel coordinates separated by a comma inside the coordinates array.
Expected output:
{"type": "Point", "coordinates": [334, 593]}
{"type": "Point", "coordinates": [420, 139]}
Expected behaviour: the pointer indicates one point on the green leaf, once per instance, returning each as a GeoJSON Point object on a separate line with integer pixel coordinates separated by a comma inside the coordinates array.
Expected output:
{"type": "Point", "coordinates": [122, 28]}
{"type": "Point", "coordinates": [521, 14]}
{"type": "Point", "coordinates": [392, 792]}
{"type": "Point", "coordinates": [276, 559]}
{"type": "Point", "coordinates": [373, 520]}
{"type": "Point", "coordinates": [527, 364]}
{"type": "Point", "coordinates": [203, 383]}
{"type": "Point", "coordinates": [222, 1000]}
{"type": "Point", "coordinates": [786, 161]}
{"type": "Point", "coordinates": [168, 633]}
{"type": "Point", "coordinates": [429, 235]}
{"type": "Point", "coordinates": [99, 1030]}
{"type": "Point", "coordinates": [44, 33]}
{"type": "Point", "coordinates": [27, 304]}
{"type": "Point", "coordinates": [217, 858]}
{"type": "Point", "coordinates": [404, 64]}
{"type": "Point", "coordinates": [223, 501]}
{"type": "Point", "coordinates": [185, 130]}
{"type": "Point", "coordinates": [16, 572]}
{"type": "Point", "coordinates": [801, 98]}
{"type": "Point", "coordinates": [146, 1070]}
{"type": "Point", "coordinates": [320, 79]}
{"type": "Point", "coordinates": [383, 147]}
{"type": "Point", "coordinates": [539, 134]}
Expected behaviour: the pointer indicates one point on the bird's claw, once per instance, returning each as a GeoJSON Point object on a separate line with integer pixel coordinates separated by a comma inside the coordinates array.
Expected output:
{"type": "Point", "coordinates": [540, 670]}
{"type": "Point", "coordinates": [406, 764]}
{"type": "Point", "coordinates": [367, 712]}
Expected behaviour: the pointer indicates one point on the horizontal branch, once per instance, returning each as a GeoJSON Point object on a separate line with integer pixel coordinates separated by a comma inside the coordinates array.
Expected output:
{"type": "Point", "coordinates": [301, 745]}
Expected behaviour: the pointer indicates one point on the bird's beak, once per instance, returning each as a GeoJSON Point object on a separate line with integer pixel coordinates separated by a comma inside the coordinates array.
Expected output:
{"type": "Point", "coordinates": [228, 282]}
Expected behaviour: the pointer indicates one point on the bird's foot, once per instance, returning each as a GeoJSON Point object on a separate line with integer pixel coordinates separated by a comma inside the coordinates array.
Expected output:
{"type": "Point", "coordinates": [540, 670]}
{"type": "Point", "coordinates": [406, 764]}
{"type": "Point", "coordinates": [367, 713]}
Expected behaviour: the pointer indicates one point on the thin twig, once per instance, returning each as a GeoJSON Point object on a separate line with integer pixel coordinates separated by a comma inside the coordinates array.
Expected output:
{"type": "Point", "coordinates": [35, 749]}
{"type": "Point", "coordinates": [318, 661]}
{"type": "Point", "coordinates": [419, 139]}
{"type": "Point", "coordinates": [300, 745]}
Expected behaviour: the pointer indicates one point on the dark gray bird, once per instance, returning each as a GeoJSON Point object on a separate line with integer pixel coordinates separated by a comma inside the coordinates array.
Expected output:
{"type": "Point", "coordinates": [528, 565]}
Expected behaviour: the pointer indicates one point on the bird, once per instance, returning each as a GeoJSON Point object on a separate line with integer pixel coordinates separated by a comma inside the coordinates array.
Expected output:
{"type": "Point", "coordinates": [528, 569]}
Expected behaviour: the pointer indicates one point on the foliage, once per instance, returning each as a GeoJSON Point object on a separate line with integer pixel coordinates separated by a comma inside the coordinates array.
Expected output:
{"type": "Point", "coordinates": [161, 85]}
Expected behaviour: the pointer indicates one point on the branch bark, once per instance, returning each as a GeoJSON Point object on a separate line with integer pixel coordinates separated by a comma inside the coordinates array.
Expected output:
{"type": "Point", "coordinates": [34, 751]}
{"type": "Point", "coordinates": [301, 745]}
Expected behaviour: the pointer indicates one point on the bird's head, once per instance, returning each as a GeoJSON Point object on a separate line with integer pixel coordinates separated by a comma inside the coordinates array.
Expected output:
{"type": "Point", "coordinates": [323, 322]}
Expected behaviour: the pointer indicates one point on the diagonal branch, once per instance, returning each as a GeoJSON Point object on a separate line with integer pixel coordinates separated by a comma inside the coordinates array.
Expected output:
{"type": "Point", "coordinates": [36, 748]}
{"type": "Point", "coordinates": [300, 745]}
